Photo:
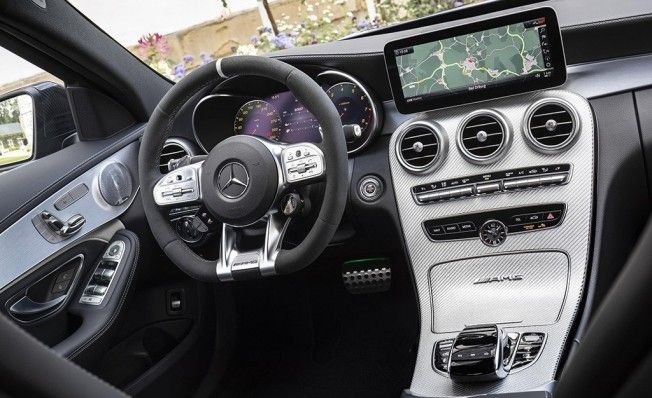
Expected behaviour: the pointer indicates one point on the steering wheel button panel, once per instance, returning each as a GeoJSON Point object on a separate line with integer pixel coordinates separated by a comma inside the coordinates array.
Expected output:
{"type": "Point", "coordinates": [302, 162]}
{"type": "Point", "coordinates": [178, 186]}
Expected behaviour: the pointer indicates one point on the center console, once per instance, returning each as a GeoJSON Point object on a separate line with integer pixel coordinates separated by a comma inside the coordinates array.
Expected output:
{"type": "Point", "coordinates": [499, 248]}
{"type": "Point", "coordinates": [495, 200]}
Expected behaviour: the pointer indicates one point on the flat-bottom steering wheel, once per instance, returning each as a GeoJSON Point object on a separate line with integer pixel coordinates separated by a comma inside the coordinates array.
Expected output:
{"type": "Point", "coordinates": [244, 178]}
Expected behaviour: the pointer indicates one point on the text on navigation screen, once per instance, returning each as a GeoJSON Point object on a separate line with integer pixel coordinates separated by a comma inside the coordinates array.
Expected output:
{"type": "Point", "coordinates": [475, 61]}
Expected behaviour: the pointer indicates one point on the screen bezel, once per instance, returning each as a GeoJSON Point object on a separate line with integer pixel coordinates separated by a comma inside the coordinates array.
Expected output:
{"type": "Point", "coordinates": [516, 86]}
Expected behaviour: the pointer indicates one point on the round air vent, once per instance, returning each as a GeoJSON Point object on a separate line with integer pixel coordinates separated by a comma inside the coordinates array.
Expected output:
{"type": "Point", "coordinates": [551, 125]}
{"type": "Point", "coordinates": [421, 147]}
{"type": "Point", "coordinates": [172, 149]}
{"type": "Point", "coordinates": [483, 136]}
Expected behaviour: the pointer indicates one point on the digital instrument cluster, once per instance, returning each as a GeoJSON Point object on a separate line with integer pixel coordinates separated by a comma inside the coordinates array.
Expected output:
{"type": "Point", "coordinates": [283, 118]}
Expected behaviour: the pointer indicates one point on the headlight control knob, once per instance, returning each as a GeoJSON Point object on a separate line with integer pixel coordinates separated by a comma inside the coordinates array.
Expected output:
{"type": "Point", "coordinates": [493, 233]}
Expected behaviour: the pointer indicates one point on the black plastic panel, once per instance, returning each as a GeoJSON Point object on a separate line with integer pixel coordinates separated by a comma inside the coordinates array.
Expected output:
{"type": "Point", "coordinates": [517, 220]}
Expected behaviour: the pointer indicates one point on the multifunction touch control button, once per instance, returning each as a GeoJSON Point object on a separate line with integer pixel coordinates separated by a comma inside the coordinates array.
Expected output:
{"type": "Point", "coordinates": [178, 186]}
{"type": "Point", "coordinates": [302, 162]}
{"type": "Point", "coordinates": [515, 220]}
{"type": "Point", "coordinates": [489, 183]}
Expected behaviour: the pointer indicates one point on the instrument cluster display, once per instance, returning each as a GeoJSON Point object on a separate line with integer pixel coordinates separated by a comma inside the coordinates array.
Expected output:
{"type": "Point", "coordinates": [282, 118]}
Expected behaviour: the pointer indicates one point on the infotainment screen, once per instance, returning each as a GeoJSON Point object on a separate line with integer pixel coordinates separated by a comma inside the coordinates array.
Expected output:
{"type": "Point", "coordinates": [493, 58]}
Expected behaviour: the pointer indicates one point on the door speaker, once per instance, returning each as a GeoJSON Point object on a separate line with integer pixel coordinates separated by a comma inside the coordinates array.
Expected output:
{"type": "Point", "coordinates": [115, 184]}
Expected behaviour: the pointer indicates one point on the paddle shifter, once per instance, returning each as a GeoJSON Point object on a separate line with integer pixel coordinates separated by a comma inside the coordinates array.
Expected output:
{"type": "Point", "coordinates": [480, 353]}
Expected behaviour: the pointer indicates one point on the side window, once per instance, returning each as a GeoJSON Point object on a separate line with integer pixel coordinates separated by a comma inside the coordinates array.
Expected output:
{"type": "Point", "coordinates": [28, 96]}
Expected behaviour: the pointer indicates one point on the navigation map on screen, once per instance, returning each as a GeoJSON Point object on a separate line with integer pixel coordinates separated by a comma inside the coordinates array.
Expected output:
{"type": "Point", "coordinates": [475, 61]}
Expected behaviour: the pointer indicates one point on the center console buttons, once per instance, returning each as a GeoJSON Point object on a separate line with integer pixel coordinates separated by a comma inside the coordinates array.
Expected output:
{"type": "Point", "coordinates": [514, 220]}
{"type": "Point", "coordinates": [496, 182]}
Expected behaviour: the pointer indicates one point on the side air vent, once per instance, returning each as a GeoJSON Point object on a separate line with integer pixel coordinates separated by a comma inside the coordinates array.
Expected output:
{"type": "Point", "coordinates": [483, 137]}
{"type": "Point", "coordinates": [551, 125]}
{"type": "Point", "coordinates": [421, 147]}
{"type": "Point", "coordinates": [172, 150]}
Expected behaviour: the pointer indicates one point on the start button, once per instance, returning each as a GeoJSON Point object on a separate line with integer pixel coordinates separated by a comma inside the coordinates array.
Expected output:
{"type": "Point", "coordinates": [370, 188]}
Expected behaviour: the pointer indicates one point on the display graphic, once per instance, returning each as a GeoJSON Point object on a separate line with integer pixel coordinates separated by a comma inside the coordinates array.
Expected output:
{"type": "Point", "coordinates": [470, 62]}
{"type": "Point", "coordinates": [507, 55]}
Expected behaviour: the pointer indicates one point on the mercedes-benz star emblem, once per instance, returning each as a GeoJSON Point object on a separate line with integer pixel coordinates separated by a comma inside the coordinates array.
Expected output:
{"type": "Point", "coordinates": [233, 180]}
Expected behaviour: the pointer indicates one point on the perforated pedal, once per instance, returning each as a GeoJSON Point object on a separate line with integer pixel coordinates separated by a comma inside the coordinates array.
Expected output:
{"type": "Point", "coordinates": [367, 275]}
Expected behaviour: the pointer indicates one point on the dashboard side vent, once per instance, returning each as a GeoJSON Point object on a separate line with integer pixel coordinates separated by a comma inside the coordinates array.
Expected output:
{"type": "Point", "coordinates": [421, 147]}
{"type": "Point", "coordinates": [483, 137]}
{"type": "Point", "coordinates": [551, 125]}
{"type": "Point", "coordinates": [172, 150]}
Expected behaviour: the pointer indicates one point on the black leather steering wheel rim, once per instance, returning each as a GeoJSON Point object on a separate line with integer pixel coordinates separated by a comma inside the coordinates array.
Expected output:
{"type": "Point", "coordinates": [309, 93]}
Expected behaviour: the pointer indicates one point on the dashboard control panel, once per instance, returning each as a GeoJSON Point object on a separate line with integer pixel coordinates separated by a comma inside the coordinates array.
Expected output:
{"type": "Point", "coordinates": [495, 182]}
{"type": "Point", "coordinates": [493, 227]}
{"type": "Point", "coordinates": [99, 284]}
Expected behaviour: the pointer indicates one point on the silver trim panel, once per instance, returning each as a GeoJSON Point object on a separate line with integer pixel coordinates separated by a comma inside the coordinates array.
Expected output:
{"type": "Point", "coordinates": [571, 237]}
{"type": "Point", "coordinates": [22, 246]}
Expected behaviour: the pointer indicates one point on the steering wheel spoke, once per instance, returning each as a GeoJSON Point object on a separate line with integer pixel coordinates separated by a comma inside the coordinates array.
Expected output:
{"type": "Point", "coordinates": [179, 186]}
{"type": "Point", "coordinates": [236, 265]}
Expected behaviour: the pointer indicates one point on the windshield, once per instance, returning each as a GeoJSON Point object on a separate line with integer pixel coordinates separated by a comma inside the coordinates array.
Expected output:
{"type": "Point", "coordinates": [174, 37]}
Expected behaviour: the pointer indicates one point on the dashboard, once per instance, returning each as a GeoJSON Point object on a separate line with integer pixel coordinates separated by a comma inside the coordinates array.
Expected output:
{"type": "Point", "coordinates": [482, 144]}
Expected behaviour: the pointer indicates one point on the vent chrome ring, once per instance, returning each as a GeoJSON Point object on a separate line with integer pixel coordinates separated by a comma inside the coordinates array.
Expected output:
{"type": "Point", "coordinates": [552, 123]}
{"type": "Point", "coordinates": [439, 156]}
{"type": "Point", "coordinates": [482, 136]}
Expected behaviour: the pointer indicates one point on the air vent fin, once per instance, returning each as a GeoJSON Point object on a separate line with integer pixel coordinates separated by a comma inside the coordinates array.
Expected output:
{"type": "Point", "coordinates": [483, 137]}
{"type": "Point", "coordinates": [171, 151]}
{"type": "Point", "coordinates": [420, 147]}
{"type": "Point", "coordinates": [551, 126]}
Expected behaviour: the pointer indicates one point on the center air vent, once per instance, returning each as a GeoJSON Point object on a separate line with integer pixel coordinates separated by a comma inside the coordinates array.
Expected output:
{"type": "Point", "coordinates": [172, 150]}
{"type": "Point", "coordinates": [550, 125]}
{"type": "Point", "coordinates": [483, 137]}
{"type": "Point", "coordinates": [421, 147]}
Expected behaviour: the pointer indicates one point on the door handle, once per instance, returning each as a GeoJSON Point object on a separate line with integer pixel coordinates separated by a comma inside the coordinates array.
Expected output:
{"type": "Point", "coordinates": [26, 308]}
{"type": "Point", "coordinates": [64, 229]}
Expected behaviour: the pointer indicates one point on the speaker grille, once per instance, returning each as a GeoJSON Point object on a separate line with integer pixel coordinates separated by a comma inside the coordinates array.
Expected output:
{"type": "Point", "coordinates": [115, 184]}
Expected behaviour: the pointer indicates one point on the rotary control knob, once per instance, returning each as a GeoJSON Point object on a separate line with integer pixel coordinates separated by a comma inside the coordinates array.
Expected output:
{"type": "Point", "coordinates": [493, 233]}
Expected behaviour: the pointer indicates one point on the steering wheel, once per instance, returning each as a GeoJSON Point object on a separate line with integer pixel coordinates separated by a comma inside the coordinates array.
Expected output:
{"type": "Point", "coordinates": [244, 179]}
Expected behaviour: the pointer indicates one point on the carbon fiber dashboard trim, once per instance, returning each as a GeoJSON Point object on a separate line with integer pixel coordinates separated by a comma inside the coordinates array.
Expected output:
{"type": "Point", "coordinates": [572, 237]}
